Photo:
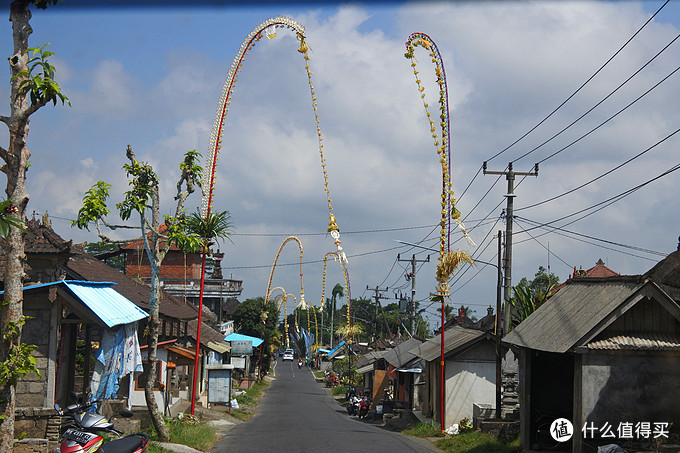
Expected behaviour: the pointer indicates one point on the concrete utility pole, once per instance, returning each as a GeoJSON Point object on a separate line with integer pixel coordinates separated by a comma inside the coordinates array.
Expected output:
{"type": "Point", "coordinates": [412, 276]}
{"type": "Point", "coordinates": [377, 297]}
{"type": "Point", "coordinates": [507, 267]}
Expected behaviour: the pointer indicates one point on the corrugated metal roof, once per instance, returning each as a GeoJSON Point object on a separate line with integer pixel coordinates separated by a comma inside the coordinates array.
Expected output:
{"type": "Point", "coordinates": [455, 338]}
{"type": "Point", "coordinates": [370, 357]}
{"type": "Point", "coordinates": [557, 325]}
{"type": "Point", "coordinates": [638, 341]}
{"type": "Point", "coordinates": [240, 337]}
{"type": "Point", "coordinates": [402, 354]}
{"type": "Point", "coordinates": [111, 307]}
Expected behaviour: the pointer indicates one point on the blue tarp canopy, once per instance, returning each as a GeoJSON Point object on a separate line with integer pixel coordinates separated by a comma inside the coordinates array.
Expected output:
{"type": "Point", "coordinates": [107, 304]}
{"type": "Point", "coordinates": [240, 337]}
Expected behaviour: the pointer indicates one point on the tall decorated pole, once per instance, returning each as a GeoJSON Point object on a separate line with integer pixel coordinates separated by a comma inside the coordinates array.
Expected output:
{"type": "Point", "coordinates": [448, 260]}
{"type": "Point", "coordinates": [269, 29]}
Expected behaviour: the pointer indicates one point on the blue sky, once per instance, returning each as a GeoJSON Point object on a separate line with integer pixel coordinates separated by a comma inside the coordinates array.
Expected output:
{"type": "Point", "coordinates": [151, 77]}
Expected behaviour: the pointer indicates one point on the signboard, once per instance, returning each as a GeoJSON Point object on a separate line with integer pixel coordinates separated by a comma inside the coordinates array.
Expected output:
{"type": "Point", "coordinates": [238, 362]}
{"type": "Point", "coordinates": [241, 347]}
{"type": "Point", "coordinates": [219, 384]}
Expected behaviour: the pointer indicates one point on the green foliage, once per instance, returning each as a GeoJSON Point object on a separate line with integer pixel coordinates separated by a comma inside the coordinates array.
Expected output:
{"type": "Point", "coordinates": [6, 219]}
{"type": "Point", "coordinates": [94, 205]}
{"type": "Point", "coordinates": [19, 361]}
{"type": "Point", "coordinates": [527, 296]}
{"type": "Point", "coordinates": [197, 231]}
{"type": "Point", "coordinates": [190, 167]}
{"type": "Point", "coordinates": [465, 425]}
{"type": "Point", "coordinates": [424, 429]}
{"type": "Point", "coordinates": [339, 390]}
{"type": "Point", "coordinates": [38, 80]}
{"type": "Point", "coordinates": [248, 321]}
{"type": "Point", "coordinates": [96, 248]}
{"type": "Point", "coordinates": [476, 442]}
{"type": "Point", "coordinates": [143, 182]}
{"type": "Point", "coordinates": [42, 4]}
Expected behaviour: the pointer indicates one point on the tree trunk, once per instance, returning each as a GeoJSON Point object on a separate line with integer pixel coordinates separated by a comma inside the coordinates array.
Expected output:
{"type": "Point", "coordinates": [155, 260]}
{"type": "Point", "coordinates": [15, 159]}
{"type": "Point", "coordinates": [152, 405]}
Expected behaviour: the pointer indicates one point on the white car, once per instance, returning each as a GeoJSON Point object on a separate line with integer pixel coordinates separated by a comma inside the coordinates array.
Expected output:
{"type": "Point", "coordinates": [288, 355]}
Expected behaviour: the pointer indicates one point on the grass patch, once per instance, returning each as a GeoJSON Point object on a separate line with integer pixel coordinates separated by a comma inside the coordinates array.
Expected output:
{"type": "Point", "coordinates": [319, 374]}
{"type": "Point", "coordinates": [152, 448]}
{"type": "Point", "coordinates": [477, 442]}
{"type": "Point", "coordinates": [424, 429]}
{"type": "Point", "coordinates": [199, 436]}
{"type": "Point", "coordinates": [241, 414]}
{"type": "Point", "coordinates": [339, 390]}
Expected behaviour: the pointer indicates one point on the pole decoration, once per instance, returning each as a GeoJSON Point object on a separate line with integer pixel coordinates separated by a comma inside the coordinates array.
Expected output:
{"type": "Point", "coordinates": [267, 28]}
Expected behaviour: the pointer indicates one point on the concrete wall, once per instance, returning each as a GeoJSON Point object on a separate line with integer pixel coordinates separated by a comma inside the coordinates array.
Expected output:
{"type": "Point", "coordinates": [630, 387]}
{"type": "Point", "coordinates": [470, 378]}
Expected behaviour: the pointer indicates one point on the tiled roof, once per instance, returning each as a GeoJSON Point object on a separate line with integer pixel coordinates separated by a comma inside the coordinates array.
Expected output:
{"type": "Point", "coordinates": [639, 342]}
{"type": "Point", "coordinates": [43, 240]}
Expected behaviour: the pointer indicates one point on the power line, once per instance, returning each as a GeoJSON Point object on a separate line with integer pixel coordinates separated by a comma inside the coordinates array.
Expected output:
{"type": "Point", "coordinates": [563, 232]}
{"type": "Point", "coordinates": [581, 87]}
{"type": "Point", "coordinates": [603, 174]}
{"type": "Point", "coordinates": [603, 204]}
{"type": "Point", "coordinates": [602, 101]}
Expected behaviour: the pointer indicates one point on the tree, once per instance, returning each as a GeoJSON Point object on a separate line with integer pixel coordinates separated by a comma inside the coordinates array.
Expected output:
{"type": "Point", "coordinates": [97, 248]}
{"type": "Point", "coordinates": [248, 321]}
{"type": "Point", "coordinates": [527, 296]}
{"type": "Point", "coordinates": [32, 87]}
{"type": "Point", "coordinates": [144, 196]}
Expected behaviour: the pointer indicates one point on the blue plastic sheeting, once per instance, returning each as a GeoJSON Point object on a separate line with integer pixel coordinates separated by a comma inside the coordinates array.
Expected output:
{"type": "Point", "coordinates": [108, 304]}
{"type": "Point", "coordinates": [240, 337]}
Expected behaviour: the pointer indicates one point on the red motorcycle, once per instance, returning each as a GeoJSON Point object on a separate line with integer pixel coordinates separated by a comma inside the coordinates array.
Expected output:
{"type": "Point", "coordinates": [365, 404]}
{"type": "Point", "coordinates": [82, 435]}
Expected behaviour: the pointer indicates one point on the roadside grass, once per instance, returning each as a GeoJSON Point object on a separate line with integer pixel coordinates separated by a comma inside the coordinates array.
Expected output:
{"type": "Point", "coordinates": [202, 436]}
{"type": "Point", "coordinates": [424, 429]}
{"type": "Point", "coordinates": [339, 390]}
{"type": "Point", "coordinates": [319, 374]}
{"type": "Point", "coordinates": [199, 436]}
{"type": "Point", "coordinates": [476, 442]}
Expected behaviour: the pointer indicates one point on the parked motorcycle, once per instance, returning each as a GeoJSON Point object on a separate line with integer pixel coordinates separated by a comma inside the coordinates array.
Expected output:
{"type": "Point", "coordinates": [353, 399]}
{"type": "Point", "coordinates": [365, 404]}
{"type": "Point", "coordinates": [84, 426]}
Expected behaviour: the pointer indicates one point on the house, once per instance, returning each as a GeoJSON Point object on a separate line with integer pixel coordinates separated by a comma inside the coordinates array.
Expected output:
{"type": "Point", "coordinates": [469, 370]}
{"type": "Point", "coordinates": [403, 372]}
{"type": "Point", "coordinates": [181, 277]}
{"type": "Point", "coordinates": [602, 352]}
{"type": "Point", "coordinates": [68, 331]}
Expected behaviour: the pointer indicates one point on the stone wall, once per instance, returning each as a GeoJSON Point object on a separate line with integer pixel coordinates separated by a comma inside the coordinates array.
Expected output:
{"type": "Point", "coordinates": [32, 389]}
{"type": "Point", "coordinates": [43, 423]}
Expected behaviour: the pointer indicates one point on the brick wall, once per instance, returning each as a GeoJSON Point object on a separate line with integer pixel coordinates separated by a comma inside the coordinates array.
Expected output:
{"type": "Point", "coordinates": [173, 266]}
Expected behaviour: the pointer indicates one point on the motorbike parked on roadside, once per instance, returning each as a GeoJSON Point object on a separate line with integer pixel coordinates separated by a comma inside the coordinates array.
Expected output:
{"type": "Point", "coordinates": [365, 404]}
{"type": "Point", "coordinates": [84, 426]}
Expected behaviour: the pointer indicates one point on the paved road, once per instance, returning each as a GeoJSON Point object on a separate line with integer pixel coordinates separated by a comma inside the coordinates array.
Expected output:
{"type": "Point", "coordinates": [297, 414]}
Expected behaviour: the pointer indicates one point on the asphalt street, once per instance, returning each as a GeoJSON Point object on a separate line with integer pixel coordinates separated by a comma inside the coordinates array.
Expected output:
{"type": "Point", "coordinates": [297, 414]}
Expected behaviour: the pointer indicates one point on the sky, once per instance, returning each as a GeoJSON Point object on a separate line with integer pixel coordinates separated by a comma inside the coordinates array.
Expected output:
{"type": "Point", "coordinates": [558, 83]}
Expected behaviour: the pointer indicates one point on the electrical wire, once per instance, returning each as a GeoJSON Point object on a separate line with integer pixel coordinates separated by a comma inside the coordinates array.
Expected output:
{"type": "Point", "coordinates": [581, 87]}
{"type": "Point", "coordinates": [603, 174]}
{"type": "Point", "coordinates": [602, 101]}
{"type": "Point", "coordinates": [566, 233]}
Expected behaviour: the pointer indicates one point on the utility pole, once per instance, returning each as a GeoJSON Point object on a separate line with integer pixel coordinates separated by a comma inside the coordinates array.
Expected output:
{"type": "Point", "coordinates": [377, 297]}
{"type": "Point", "coordinates": [412, 276]}
{"type": "Point", "coordinates": [507, 266]}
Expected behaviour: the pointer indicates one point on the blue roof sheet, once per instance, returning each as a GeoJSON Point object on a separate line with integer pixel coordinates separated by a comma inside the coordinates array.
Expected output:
{"type": "Point", "coordinates": [108, 304]}
{"type": "Point", "coordinates": [240, 337]}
